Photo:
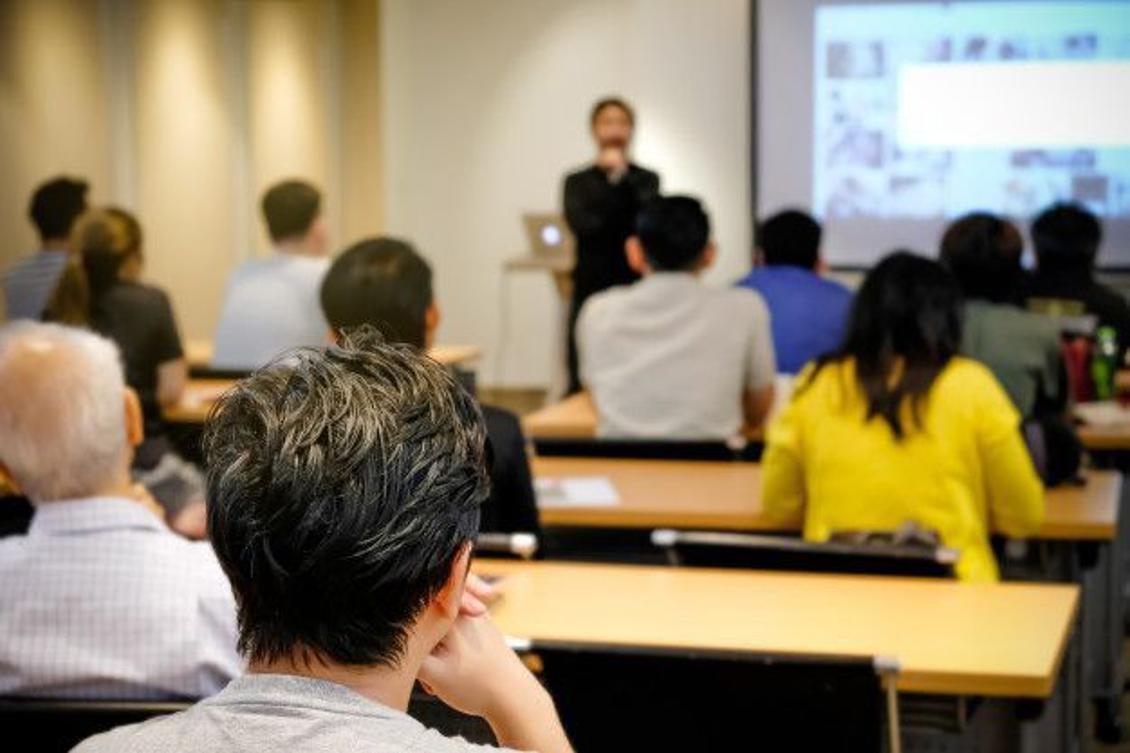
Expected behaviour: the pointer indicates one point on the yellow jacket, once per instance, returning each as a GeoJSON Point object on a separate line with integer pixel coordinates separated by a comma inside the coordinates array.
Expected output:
{"type": "Point", "coordinates": [965, 474]}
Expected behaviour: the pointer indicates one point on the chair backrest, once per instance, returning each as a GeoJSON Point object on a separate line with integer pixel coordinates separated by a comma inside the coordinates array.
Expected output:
{"type": "Point", "coordinates": [616, 699]}
{"type": "Point", "coordinates": [210, 372]}
{"type": "Point", "coordinates": [649, 449]}
{"type": "Point", "coordinates": [738, 550]}
{"type": "Point", "coordinates": [56, 726]}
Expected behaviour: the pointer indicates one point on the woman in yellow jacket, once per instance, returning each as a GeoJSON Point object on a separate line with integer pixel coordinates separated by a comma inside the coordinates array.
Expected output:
{"type": "Point", "coordinates": [894, 427]}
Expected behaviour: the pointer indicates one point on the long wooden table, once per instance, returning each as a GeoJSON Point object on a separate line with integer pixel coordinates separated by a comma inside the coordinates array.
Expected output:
{"type": "Point", "coordinates": [200, 394]}
{"type": "Point", "coordinates": [727, 496]}
{"type": "Point", "coordinates": [575, 418]}
{"type": "Point", "coordinates": [1004, 640]}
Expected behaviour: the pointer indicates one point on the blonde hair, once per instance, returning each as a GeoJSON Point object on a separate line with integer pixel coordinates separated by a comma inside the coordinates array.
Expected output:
{"type": "Point", "coordinates": [104, 240]}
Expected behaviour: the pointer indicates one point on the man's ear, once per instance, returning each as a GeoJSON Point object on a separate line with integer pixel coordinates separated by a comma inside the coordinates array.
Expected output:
{"type": "Point", "coordinates": [449, 600]}
{"type": "Point", "coordinates": [709, 254]}
{"type": "Point", "coordinates": [432, 317]}
{"type": "Point", "coordinates": [331, 336]}
{"type": "Point", "coordinates": [135, 424]}
{"type": "Point", "coordinates": [637, 259]}
{"type": "Point", "coordinates": [8, 483]}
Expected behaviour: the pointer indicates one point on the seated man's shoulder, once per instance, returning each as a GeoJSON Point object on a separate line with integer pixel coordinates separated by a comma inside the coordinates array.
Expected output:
{"type": "Point", "coordinates": [164, 733]}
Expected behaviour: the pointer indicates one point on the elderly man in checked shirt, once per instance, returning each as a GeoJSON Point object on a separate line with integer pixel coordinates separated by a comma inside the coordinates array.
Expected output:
{"type": "Point", "coordinates": [99, 599]}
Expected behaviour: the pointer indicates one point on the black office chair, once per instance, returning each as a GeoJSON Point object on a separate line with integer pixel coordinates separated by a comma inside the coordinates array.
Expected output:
{"type": "Point", "coordinates": [760, 552]}
{"type": "Point", "coordinates": [56, 726]}
{"type": "Point", "coordinates": [617, 699]}
{"type": "Point", "coordinates": [650, 449]}
{"type": "Point", "coordinates": [523, 546]}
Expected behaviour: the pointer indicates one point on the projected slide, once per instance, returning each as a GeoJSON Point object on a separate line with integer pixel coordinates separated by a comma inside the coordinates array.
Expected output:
{"type": "Point", "coordinates": [924, 111]}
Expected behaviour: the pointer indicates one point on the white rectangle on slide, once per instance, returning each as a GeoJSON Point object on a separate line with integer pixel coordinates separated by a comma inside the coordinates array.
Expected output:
{"type": "Point", "coordinates": [1021, 105]}
{"type": "Point", "coordinates": [576, 491]}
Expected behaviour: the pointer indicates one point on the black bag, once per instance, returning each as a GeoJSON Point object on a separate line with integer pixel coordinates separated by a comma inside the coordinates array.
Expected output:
{"type": "Point", "coordinates": [1054, 446]}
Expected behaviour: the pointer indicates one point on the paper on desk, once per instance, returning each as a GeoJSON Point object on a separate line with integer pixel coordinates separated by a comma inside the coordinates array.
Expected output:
{"type": "Point", "coordinates": [576, 491]}
{"type": "Point", "coordinates": [1103, 413]}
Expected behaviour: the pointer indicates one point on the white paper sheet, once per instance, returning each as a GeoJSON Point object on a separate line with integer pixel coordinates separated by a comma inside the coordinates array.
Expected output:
{"type": "Point", "coordinates": [576, 491]}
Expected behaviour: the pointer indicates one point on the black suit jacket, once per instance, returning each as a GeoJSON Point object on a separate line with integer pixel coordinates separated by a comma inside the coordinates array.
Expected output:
{"type": "Point", "coordinates": [512, 506]}
{"type": "Point", "coordinates": [602, 215]}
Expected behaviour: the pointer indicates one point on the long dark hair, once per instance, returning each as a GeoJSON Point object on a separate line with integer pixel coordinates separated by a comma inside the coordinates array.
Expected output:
{"type": "Point", "coordinates": [905, 327]}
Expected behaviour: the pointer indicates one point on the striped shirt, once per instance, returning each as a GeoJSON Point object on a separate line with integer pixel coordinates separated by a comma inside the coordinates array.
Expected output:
{"type": "Point", "coordinates": [30, 283]}
{"type": "Point", "coordinates": [101, 600]}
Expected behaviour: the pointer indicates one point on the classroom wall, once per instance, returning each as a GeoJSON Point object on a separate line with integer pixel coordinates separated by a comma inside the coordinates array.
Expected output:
{"type": "Point", "coordinates": [185, 110]}
{"type": "Point", "coordinates": [486, 107]}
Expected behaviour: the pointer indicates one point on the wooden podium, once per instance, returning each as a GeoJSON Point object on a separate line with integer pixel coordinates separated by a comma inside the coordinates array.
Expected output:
{"type": "Point", "coordinates": [560, 267]}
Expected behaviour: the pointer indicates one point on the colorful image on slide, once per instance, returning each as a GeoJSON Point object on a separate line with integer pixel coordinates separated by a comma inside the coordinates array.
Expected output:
{"type": "Point", "coordinates": [929, 110]}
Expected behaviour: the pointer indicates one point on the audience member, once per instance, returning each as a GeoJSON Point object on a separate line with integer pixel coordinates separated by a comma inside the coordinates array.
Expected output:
{"type": "Point", "coordinates": [383, 282]}
{"type": "Point", "coordinates": [30, 284]}
{"type": "Point", "coordinates": [103, 290]}
{"type": "Point", "coordinates": [99, 599]}
{"type": "Point", "coordinates": [808, 312]}
{"type": "Point", "coordinates": [272, 304]}
{"type": "Point", "coordinates": [895, 427]}
{"type": "Point", "coordinates": [1022, 349]}
{"type": "Point", "coordinates": [669, 357]}
{"type": "Point", "coordinates": [344, 487]}
{"type": "Point", "coordinates": [1067, 238]}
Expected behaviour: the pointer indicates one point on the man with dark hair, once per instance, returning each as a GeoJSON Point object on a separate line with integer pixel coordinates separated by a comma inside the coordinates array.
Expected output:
{"type": "Point", "coordinates": [808, 311]}
{"type": "Point", "coordinates": [1023, 349]}
{"type": "Point", "coordinates": [384, 283]}
{"type": "Point", "coordinates": [30, 283]}
{"type": "Point", "coordinates": [1067, 239]}
{"type": "Point", "coordinates": [344, 491]}
{"type": "Point", "coordinates": [272, 304]}
{"type": "Point", "coordinates": [669, 357]}
{"type": "Point", "coordinates": [601, 203]}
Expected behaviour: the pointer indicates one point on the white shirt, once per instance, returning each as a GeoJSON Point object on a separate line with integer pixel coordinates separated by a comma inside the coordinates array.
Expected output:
{"type": "Point", "coordinates": [101, 600]}
{"type": "Point", "coordinates": [272, 305]}
{"type": "Point", "coordinates": [671, 358]}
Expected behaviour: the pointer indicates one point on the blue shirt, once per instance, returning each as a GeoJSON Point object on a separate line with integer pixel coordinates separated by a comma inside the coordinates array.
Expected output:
{"type": "Point", "coordinates": [30, 283]}
{"type": "Point", "coordinates": [808, 313]}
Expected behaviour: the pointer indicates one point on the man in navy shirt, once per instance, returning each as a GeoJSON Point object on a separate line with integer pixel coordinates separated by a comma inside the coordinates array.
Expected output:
{"type": "Point", "coordinates": [808, 312]}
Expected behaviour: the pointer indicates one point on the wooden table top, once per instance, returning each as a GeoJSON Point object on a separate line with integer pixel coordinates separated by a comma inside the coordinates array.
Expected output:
{"type": "Point", "coordinates": [200, 394]}
{"type": "Point", "coordinates": [575, 418]}
{"type": "Point", "coordinates": [727, 496]}
{"type": "Point", "coordinates": [198, 352]}
{"type": "Point", "coordinates": [1003, 639]}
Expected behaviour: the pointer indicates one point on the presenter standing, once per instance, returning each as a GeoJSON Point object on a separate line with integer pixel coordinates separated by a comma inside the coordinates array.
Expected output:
{"type": "Point", "coordinates": [601, 204]}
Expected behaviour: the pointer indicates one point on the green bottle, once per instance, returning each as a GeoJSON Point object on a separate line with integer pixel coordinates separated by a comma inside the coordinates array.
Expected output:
{"type": "Point", "coordinates": [1104, 363]}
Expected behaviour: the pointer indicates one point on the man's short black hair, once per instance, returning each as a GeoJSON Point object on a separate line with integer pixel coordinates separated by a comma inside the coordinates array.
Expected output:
{"type": "Point", "coordinates": [382, 282]}
{"type": "Point", "coordinates": [790, 237]}
{"type": "Point", "coordinates": [983, 252]}
{"type": "Point", "coordinates": [56, 205]}
{"type": "Point", "coordinates": [1066, 236]}
{"type": "Point", "coordinates": [603, 104]}
{"type": "Point", "coordinates": [674, 232]}
{"type": "Point", "coordinates": [343, 483]}
{"type": "Point", "coordinates": [290, 208]}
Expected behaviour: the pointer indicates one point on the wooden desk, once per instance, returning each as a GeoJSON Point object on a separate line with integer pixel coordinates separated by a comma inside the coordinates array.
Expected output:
{"type": "Point", "coordinates": [952, 638]}
{"type": "Point", "coordinates": [198, 352]}
{"type": "Point", "coordinates": [572, 418]}
{"type": "Point", "coordinates": [1105, 437]}
{"type": "Point", "coordinates": [575, 418]}
{"type": "Point", "coordinates": [727, 496]}
{"type": "Point", "coordinates": [200, 394]}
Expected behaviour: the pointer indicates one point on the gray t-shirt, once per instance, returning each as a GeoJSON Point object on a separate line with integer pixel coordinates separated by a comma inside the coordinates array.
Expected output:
{"type": "Point", "coordinates": [276, 712]}
{"type": "Point", "coordinates": [670, 357]}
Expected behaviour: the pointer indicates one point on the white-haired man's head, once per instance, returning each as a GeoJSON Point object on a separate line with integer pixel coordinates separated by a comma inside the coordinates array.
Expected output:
{"type": "Point", "coordinates": [68, 423]}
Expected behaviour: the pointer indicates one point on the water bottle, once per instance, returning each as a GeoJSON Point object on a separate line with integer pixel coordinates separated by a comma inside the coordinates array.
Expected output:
{"type": "Point", "coordinates": [1104, 363]}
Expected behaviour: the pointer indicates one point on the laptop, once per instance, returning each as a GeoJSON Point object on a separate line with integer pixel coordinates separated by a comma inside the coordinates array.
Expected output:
{"type": "Point", "coordinates": [547, 234]}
